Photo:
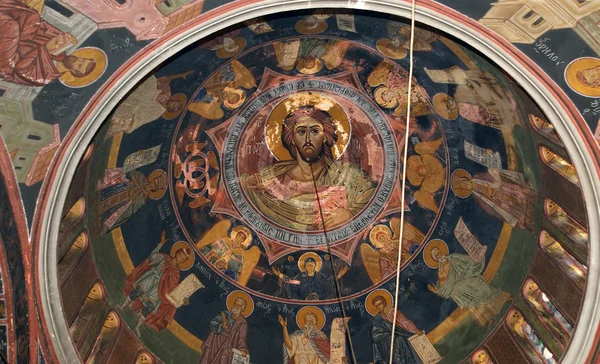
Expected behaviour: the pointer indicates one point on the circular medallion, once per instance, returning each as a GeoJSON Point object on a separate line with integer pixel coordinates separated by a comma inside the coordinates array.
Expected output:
{"type": "Point", "coordinates": [318, 177]}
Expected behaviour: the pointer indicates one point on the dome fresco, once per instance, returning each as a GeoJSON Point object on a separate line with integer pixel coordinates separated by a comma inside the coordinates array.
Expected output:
{"type": "Point", "coordinates": [243, 204]}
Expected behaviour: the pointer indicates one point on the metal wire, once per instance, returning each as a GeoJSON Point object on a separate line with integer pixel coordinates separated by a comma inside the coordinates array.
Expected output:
{"type": "Point", "coordinates": [335, 278]}
{"type": "Point", "coordinates": [408, 109]}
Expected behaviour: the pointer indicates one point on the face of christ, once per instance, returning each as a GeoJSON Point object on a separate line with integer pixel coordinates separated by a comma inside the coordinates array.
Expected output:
{"type": "Point", "coordinates": [309, 134]}
{"type": "Point", "coordinates": [309, 139]}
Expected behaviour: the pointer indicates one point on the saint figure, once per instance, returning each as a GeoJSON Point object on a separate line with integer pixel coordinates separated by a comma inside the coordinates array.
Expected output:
{"type": "Point", "coordinates": [381, 334]}
{"type": "Point", "coordinates": [147, 286]}
{"type": "Point", "coordinates": [121, 196]}
{"type": "Point", "coordinates": [148, 102]}
{"type": "Point", "coordinates": [589, 77]}
{"type": "Point", "coordinates": [29, 48]}
{"type": "Point", "coordinates": [460, 279]}
{"type": "Point", "coordinates": [309, 345]}
{"type": "Point", "coordinates": [310, 284]}
{"type": "Point", "coordinates": [285, 192]}
{"type": "Point", "coordinates": [501, 193]}
{"type": "Point", "coordinates": [228, 332]}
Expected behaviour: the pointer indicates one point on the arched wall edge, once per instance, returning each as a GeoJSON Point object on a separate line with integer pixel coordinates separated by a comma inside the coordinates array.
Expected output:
{"type": "Point", "coordinates": [567, 120]}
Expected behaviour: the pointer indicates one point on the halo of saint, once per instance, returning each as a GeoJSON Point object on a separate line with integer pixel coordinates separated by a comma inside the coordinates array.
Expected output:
{"type": "Point", "coordinates": [241, 295]}
{"type": "Point", "coordinates": [187, 251]}
{"type": "Point", "coordinates": [307, 134]}
{"type": "Point", "coordinates": [583, 76]}
{"type": "Point", "coordinates": [90, 54]}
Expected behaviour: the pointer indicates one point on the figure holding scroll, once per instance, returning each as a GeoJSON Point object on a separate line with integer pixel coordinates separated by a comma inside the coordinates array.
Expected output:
{"type": "Point", "coordinates": [379, 304]}
{"type": "Point", "coordinates": [309, 345]}
{"type": "Point", "coordinates": [460, 279]}
{"type": "Point", "coordinates": [228, 331]}
{"type": "Point", "coordinates": [148, 285]}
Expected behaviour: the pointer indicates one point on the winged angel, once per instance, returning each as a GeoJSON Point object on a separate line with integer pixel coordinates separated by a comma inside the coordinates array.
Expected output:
{"type": "Point", "coordinates": [381, 259]}
{"type": "Point", "coordinates": [426, 172]}
{"type": "Point", "coordinates": [225, 89]}
{"type": "Point", "coordinates": [390, 90]}
{"type": "Point", "coordinates": [230, 252]}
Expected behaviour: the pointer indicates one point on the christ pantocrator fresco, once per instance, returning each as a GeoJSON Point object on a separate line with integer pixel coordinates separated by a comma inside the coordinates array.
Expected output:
{"type": "Point", "coordinates": [285, 192]}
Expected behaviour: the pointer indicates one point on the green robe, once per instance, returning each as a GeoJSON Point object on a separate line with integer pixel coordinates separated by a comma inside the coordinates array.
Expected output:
{"type": "Point", "coordinates": [465, 284]}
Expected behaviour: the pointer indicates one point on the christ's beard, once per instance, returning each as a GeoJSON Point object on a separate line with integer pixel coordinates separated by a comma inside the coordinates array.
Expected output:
{"type": "Point", "coordinates": [309, 153]}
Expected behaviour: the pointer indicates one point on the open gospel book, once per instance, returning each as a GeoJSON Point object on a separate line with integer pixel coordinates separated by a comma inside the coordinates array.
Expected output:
{"type": "Point", "coordinates": [239, 358]}
{"type": "Point", "coordinates": [424, 349]}
{"type": "Point", "coordinates": [184, 290]}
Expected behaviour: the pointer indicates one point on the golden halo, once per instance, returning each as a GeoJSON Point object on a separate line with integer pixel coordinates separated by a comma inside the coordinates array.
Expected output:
{"type": "Point", "coordinates": [439, 104]}
{"type": "Point", "coordinates": [383, 45]}
{"type": "Point", "coordinates": [370, 306]}
{"type": "Point", "coordinates": [315, 256]}
{"type": "Point", "coordinates": [274, 126]}
{"type": "Point", "coordinates": [94, 53]}
{"type": "Point", "coordinates": [378, 229]}
{"type": "Point", "coordinates": [458, 191]}
{"type": "Point", "coordinates": [242, 97]}
{"type": "Point", "coordinates": [246, 297]}
{"type": "Point", "coordinates": [578, 65]}
{"type": "Point", "coordinates": [187, 264]}
{"type": "Point", "coordinates": [303, 27]}
{"type": "Point", "coordinates": [302, 68]}
{"type": "Point", "coordinates": [157, 173]}
{"type": "Point", "coordinates": [243, 229]}
{"type": "Point", "coordinates": [224, 53]}
{"type": "Point", "coordinates": [167, 115]}
{"type": "Point", "coordinates": [301, 316]}
{"type": "Point", "coordinates": [435, 243]}
{"type": "Point", "coordinates": [388, 104]}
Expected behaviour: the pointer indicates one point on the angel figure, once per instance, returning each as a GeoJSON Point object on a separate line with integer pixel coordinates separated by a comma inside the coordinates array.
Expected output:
{"type": "Point", "coordinates": [230, 253]}
{"type": "Point", "coordinates": [310, 55]}
{"type": "Point", "coordinates": [224, 89]}
{"type": "Point", "coordinates": [391, 86]}
{"type": "Point", "coordinates": [382, 260]}
{"type": "Point", "coordinates": [398, 43]}
{"type": "Point", "coordinates": [226, 45]}
{"type": "Point", "coordinates": [427, 172]}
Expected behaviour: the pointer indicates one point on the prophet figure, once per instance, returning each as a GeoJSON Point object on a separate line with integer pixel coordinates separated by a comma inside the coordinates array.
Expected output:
{"type": "Point", "coordinates": [233, 255]}
{"type": "Point", "coordinates": [501, 193]}
{"type": "Point", "coordinates": [148, 102]}
{"type": "Point", "coordinates": [381, 334]}
{"type": "Point", "coordinates": [310, 284]}
{"type": "Point", "coordinates": [309, 345]}
{"type": "Point", "coordinates": [228, 332]}
{"type": "Point", "coordinates": [122, 195]}
{"type": "Point", "coordinates": [460, 279]}
{"type": "Point", "coordinates": [382, 260]}
{"type": "Point", "coordinates": [29, 48]}
{"type": "Point", "coordinates": [285, 192]}
{"type": "Point", "coordinates": [147, 286]}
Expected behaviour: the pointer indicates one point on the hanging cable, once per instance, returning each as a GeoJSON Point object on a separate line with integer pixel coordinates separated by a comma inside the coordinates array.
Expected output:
{"type": "Point", "coordinates": [334, 270]}
{"type": "Point", "coordinates": [405, 157]}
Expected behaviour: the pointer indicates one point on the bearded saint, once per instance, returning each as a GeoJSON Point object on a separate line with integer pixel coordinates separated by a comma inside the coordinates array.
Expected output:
{"type": "Point", "coordinates": [460, 279]}
{"type": "Point", "coordinates": [29, 47]}
{"type": "Point", "coordinates": [381, 335]}
{"type": "Point", "coordinates": [227, 332]}
{"type": "Point", "coordinates": [306, 346]}
{"type": "Point", "coordinates": [285, 192]}
{"type": "Point", "coordinates": [148, 284]}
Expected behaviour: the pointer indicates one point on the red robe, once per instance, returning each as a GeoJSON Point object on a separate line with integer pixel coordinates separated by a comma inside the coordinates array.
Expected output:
{"type": "Point", "coordinates": [24, 58]}
{"type": "Point", "coordinates": [168, 281]}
